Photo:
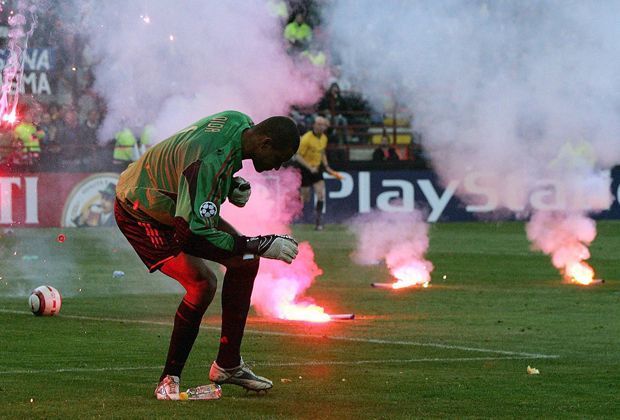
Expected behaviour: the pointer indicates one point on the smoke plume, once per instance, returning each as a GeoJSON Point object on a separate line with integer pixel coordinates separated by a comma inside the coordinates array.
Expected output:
{"type": "Point", "coordinates": [524, 94]}
{"type": "Point", "coordinates": [279, 288]}
{"type": "Point", "coordinates": [171, 64]}
{"type": "Point", "coordinates": [398, 239]}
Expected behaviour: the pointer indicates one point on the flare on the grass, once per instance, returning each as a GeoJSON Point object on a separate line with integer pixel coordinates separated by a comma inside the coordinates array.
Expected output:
{"type": "Point", "coordinates": [279, 290]}
{"type": "Point", "coordinates": [399, 239]}
{"type": "Point", "coordinates": [566, 238]}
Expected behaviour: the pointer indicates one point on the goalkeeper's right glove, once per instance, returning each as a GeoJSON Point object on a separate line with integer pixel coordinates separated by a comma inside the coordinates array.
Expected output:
{"type": "Point", "coordinates": [240, 192]}
{"type": "Point", "coordinates": [278, 247]}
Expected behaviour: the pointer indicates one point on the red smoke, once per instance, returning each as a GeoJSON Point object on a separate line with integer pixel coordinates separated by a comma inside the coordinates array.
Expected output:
{"type": "Point", "coordinates": [279, 287]}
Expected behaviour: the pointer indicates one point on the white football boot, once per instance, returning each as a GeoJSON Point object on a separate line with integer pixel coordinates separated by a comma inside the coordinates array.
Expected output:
{"type": "Point", "coordinates": [168, 388]}
{"type": "Point", "coordinates": [241, 375]}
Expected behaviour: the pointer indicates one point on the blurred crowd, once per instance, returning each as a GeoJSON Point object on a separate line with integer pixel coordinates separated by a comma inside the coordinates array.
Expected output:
{"type": "Point", "coordinates": [60, 112]}
{"type": "Point", "coordinates": [357, 130]}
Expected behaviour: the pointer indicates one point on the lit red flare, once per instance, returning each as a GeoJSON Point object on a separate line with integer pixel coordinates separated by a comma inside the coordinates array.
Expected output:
{"type": "Point", "coordinates": [9, 118]}
{"type": "Point", "coordinates": [412, 275]}
{"type": "Point", "coordinates": [399, 285]}
{"type": "Point", "coordinates": [580, 273]}
{"type": "Point", "coordinates": [310, 313]}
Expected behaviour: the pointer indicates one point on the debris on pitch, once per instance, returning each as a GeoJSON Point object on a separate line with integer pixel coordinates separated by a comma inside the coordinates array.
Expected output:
{"type": "Point", "coordinates": [532, 371]}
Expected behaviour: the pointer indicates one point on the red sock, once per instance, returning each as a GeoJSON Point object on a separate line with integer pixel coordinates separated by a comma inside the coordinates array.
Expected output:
{"type": "Point", "coordinates": [236, 294]}
{"type": "Point", "coordinates": [186, 327]}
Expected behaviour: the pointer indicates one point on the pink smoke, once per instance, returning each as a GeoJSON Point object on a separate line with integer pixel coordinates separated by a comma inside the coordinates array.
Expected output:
{"type": "Point", "coordinates": [191, 60]}
{"type": "Point", "coordinates": [564, 236]}
{"type": "Point", "coordinates": [560, 226]}
{"type": "Point", "coordinates": [399, 239]}
{"type": "Point", "coordinates": [279, 287]}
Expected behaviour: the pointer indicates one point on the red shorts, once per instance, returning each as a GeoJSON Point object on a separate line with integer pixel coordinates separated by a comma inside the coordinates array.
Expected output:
{"type": "Point", "coordinates": [153, 241]}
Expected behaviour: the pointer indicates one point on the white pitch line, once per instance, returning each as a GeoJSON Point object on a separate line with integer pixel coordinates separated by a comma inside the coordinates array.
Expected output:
{"type": "Point", "coordinates": [269, 364]}
{"type": "Point", "coordinates": [77, 370]}
{"type": "Point", "coordinates": [368, 362]}
{"type": "Point", "coordinates": [317, 336]}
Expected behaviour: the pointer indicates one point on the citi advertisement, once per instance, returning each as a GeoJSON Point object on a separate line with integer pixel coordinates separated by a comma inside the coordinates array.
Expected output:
{"type": "Point", "coordinates": [57, 199]}
{"type": "Point", "coordinates": [86, 200]}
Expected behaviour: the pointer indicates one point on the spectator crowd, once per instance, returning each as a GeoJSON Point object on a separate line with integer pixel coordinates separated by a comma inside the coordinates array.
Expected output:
{"type": "Point", "coordinates": [57, 130]}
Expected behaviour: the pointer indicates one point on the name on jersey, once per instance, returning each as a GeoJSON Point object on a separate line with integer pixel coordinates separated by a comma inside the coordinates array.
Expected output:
{"type": "Point", "coordinates": [216, 124]}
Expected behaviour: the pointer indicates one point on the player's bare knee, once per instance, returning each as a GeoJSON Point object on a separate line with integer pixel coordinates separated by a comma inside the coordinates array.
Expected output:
{"type": "Point", "coordinates": [202, 291]}
{"type": "Point", "coordinates": [319, 190]}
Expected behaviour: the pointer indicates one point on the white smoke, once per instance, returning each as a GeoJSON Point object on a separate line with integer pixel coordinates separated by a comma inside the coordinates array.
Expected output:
{"type": "Point", "coordinates": [169, 64]}
{"type": "Point", "coordinates": [565, 237]}
{"type": "Point", "coordinates": [527, 93]}
{"type": "Point", "coordinates": [398, 239]}
{"type": "Point", "coordinates": [498, 87]}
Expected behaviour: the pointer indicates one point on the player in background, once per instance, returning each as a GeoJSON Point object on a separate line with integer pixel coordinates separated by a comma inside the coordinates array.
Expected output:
{"type": "Point", "coordinates": [168, 207]}
{"type": "Point", "coordinates": [312, 162]}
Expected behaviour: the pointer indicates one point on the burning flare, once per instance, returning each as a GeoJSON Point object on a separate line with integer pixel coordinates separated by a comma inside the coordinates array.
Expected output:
{"type": "Point", "coordinates": [279, 289]}
{"type": "Point", "coordinates": [566, 237]}
{"type": "Point", "coordinates": [302, 312]}
{"type": "Point", "coordinates": [399, 239]}
{"type": "Point", "coordinates": [579, 272]}
{"type": "Point", "coordinates": [411, 275]}
{"type": "Point", "coordinates": [14, 68]}
{"type": "Point", "coordinates": [10, 118]}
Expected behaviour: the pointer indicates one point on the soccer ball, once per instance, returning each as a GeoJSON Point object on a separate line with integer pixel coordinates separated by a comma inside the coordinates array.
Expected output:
{"type": "Point", "coordinates": [45, 300]}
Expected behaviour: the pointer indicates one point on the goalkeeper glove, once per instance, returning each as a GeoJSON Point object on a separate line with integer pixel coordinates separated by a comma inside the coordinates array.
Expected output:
{"type": "Point", "coordinates": [277, 247]}
{"type": "Point", "coordinates": [240, 191]}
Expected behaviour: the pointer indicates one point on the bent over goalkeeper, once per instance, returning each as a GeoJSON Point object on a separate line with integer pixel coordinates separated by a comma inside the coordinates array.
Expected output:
{"type": "Point", "coordinates": [168, 207]}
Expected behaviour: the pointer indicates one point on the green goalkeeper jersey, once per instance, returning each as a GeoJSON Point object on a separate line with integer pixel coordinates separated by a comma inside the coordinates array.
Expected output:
{"type": "Point", "coordinates": [188, 175]}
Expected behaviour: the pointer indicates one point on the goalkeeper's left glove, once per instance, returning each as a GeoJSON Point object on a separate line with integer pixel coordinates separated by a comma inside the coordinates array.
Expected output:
{"type": "Point", "coordinates": [240, 191]}
{"type": "Point", "coordinates": [277, 247]}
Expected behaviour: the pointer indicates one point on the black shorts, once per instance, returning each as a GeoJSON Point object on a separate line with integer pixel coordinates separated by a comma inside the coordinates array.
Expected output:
{"type": "Point", "coordinates": [153, 241]}
{"type": "Point", "coordinates": [309, 178]}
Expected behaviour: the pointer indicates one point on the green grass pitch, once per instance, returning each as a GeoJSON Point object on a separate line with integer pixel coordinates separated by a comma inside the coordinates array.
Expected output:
{"type": "Point", "coordinates": [457, 349]}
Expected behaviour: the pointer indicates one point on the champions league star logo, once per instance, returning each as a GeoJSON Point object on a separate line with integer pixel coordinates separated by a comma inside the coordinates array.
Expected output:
{"type": "Point", "coordinates": [208, 209]}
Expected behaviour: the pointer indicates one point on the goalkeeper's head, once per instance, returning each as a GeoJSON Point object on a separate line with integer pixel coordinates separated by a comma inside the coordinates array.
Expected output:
{"type": "Point", "coordinates": [271, 142]}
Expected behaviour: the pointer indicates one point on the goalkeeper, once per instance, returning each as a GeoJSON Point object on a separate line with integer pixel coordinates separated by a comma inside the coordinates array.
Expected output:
{"type": "Point", "coordinates": [168, 205]}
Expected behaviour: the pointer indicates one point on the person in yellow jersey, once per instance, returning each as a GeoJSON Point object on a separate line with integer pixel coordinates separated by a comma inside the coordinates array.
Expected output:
{"type": "Point", "coordinates": [30, 137]}
{"type": "Point", "coordinates": [312, 162]}
{"type": "Point", "coordinates": [298, 33]}
{"type": "Point", "coordinates": [125, 148]}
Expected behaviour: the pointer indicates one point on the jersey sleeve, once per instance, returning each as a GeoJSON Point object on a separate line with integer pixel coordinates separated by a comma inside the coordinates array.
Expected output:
{"type": "Point", "coordinates": [323, 142]}
{"type": "Point", "coordinates": [303, 146]}
{"type": "Point", "coordinates": [198, 205]}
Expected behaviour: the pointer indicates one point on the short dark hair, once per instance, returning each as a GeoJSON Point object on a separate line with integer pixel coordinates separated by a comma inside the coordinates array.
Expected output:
{"type": "Point", "coordinates": [282, 130]}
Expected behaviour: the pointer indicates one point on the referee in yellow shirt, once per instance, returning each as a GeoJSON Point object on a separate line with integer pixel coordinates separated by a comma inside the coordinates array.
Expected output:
{"type": "Point", "coordinates": [312, 162]}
